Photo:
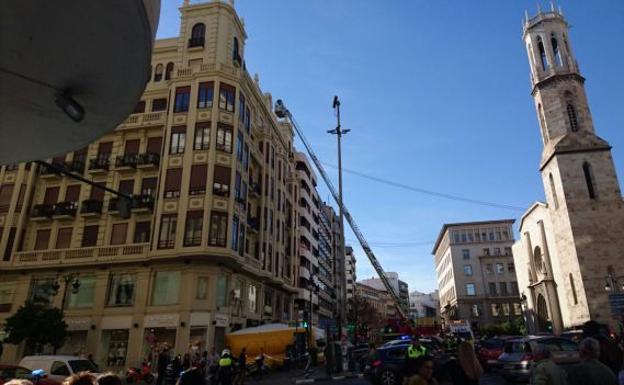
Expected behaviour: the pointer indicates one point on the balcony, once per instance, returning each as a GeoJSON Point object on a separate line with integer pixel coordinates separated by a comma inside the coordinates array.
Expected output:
{"type": "Point", "coordinates": [145, 119]}
{"type": "Point", "coordinates": [126, 162]}
{"type": "Point", "coordinates": [91, 207]}
{"type": "Point", "coordinates": [48, 172]}
{"type": "Point", "coordinates": [65, 210]}
{"type": "Point", "coordinates": [100, 164]}
{"type": "Point", "coordinates": [77, 166]}
{"type": "Point", "coordinates": [147, 160]}
{"type": "Point", "coordinates": [42, 212]}
{"type": "Point", "coordinates": [142, 203]}
{"type": "Point", "coordinates": [196, 42]}
{"type": "Point", "coordinates": [83, 255]}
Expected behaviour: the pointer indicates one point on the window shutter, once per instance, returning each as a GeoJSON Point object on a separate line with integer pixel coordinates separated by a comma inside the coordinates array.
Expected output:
{"type": "Point", "coordinates": [199, 174]}
{"type": "Point", "coordinates": [118, 235]}
{"type": "Point", "coordinates": [51, 196]}
{"type": "Point", "coordinates": [132, 147]}
{"type": "Point", "coordinates": [73, 193]}
{"type": "Point", "coordinates": [173, 180]}
{"type": "Point", "coordinates": [222, 175]}
{"type": "Point", "coordinates": [43, 239]}
{"type": "Point", "coordinates": [63, 239]}
{"type": "Point", "coordinates": [178, 129]}
{"type": "Point", "coordinates": [5, 194]}
{"type": "Point", "coordinates": [89, 236]}
{"type": "Point", "coordinates": [105, 148]}
{"type": "Point", "coordinates": [154, 144]}
{"type": "Point", "coordinates": [126, 186]}
{"type": "Point", "coordinates": [97, 193]}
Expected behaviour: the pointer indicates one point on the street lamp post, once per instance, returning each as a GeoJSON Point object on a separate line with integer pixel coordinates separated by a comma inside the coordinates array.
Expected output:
{"type": "Point", "coordinates": [338, 131]}
{"type": "Point", "coordinates": [66, 280]}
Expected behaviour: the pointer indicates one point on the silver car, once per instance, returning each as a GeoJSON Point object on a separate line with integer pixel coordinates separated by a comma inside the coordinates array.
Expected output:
{"type": "Point", "coordinates": [515, 362]}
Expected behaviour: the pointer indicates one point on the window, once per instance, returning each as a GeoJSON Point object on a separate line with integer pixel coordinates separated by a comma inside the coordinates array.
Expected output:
{"type": "Point", "coordinates": [475, 311]}
{"type": "Point", "coordinates": [226, 97]}
{"type": "Point", "coordinates": [154, 145]}
{"type": "Point", "coordinates": [553, 191]}
{"type": "Point", "coordinates": [119, 233]}
{"type": "Point", "coordinates": [466, 253]}
{"type": "Point", "coordinates": [246, 157]}
{"type": "Point", "coordinates": [158, 74]}
{"type": "Point", "coordinates": [90, 235]}
{"type": "Point", "coordinates": [572, 119]}
{"type": "Point", "coordinates": [235, 53]}
{"type": "Point", "coordinates": [6, 191]}
{"type": "Point", "coordinates": [173, 181]}
{"type": "Point", "coordinates": [182, 97]}
{"type": "Point", "coordinates": [59, 369]}
{"type": "Point", "coordinates": [589, 180]}
{"type": "Point", "coordinates": [42, 240]}
{"type": "Point", "coordinates": [503, 288]}
{"type": "Point", "coordinates": [573, 287]}
{"type": "Point", "coordinates": [542, 120]}
{"type": "Point", "coordinates": [506, 309]}
{"type": "Point", "coordinates": [193, 228]}
{"type": "Point", "coordinates": [556, 53]}
{"type": "Point", "coordinates": [202, 136]}
{"type": "Point", "coordinates": [241, 108]}
{"type": "Point", "coordinates": [237, 187]}
{"type": "Point", "coordinates": [63, 238]}
{"type": "Point", "coordinates": [500, 269]}
{"type": "Point", "coordinates": [222, 177]}
{"type": "Point", "coordinates": [198, 34]}
{"type": "Point", "coordinates": [202, 288]}
{"type": "Point", "coordinates": [126, 186]}
{"type": "Point", "coordinates": [159, 104]}
{"type": "Point", "coordinates": [85, 296]}
{"type": "Point", "coordinates": [517, 309]}
{"type": "Point", "coordinates": [205, 95]}
{"type": "Point", "coordinates": [221, 291]}
{"type": "Point", "coordinates": [239, 146]}
{"type": "Point", "coordinates": [497, 251]}
{"type": "Point", "coordinates": [468, 270]}
{"type": "Point", "coordinates": [492, 289]}
{"type": "Point", "coordinates": [507, 250]}
{"type": "Point", "coordinates": [166, 290]}
{"type": "Point", "coordinates": [218, 229]}
{"type": "Point", "coordinates": [495, 309]}
{"type": "Point", "coordinates": [178, 140]}
{"type": "Point", "coordinates": [234, 238]}
{"type": "Point", "coordinates": [511, 268]}
{"type": "Point", "coordinates": [142, 232]}
{"type": "Point", "coordinates": [199, 174]}
{"type": "Point", "coordinates": [6, 296]}
{"type": "Point", "coordinates": [470, 289]}
{"type": "Point", "coordinates": [168, 225]}
{"type": "Point", "coordinates": [148, 187]}
{"type": "Point", "coordinates": [224, 138]}
{"type": "Point", "coordinates": [252, 298]}
{"type": "Point", "coordinates": [168, 70]}
{"type": "Point", "coordinates": [121, 289]}
{"type": "Point", "coordinates": [51, 195]}
{"type": "Point", "coordinates": [542, 53]}
{"type": "Point", "coordinates": [486, 251]}
{"type": "Point", "coordinates": [514, 288]}
{"type": "Point", "coordinates": [247, 119]}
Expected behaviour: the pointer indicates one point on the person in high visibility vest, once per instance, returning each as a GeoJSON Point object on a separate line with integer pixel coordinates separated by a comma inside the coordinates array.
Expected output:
{"type": "Point", "coordinates": [413, 356]}
{"type": "Point", "coordinates": [224, 373]}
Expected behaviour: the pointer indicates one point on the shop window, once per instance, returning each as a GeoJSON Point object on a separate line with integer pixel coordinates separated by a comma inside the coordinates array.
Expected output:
{"type": "Point", "coordinates": [166, 289]}
{"type": "Point", "coordinates": [121, 289]}
{"type": "Point", "coordinates": [85, 294]}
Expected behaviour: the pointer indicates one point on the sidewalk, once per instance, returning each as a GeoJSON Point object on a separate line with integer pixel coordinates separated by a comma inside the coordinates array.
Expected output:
{"type": "Point", "coordinates": [297, 376]}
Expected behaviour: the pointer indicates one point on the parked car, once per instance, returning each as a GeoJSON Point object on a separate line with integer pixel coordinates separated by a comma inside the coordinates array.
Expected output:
{"type": "Point", "coordinates": [9, 372]}
{"type": "Point", "coordinates": [490, 349]}
{"type": "Point", "coordinates": [58, 367]}
{"type": "Point", "coordinates": [515, 362]}
{"type": "Point", "coordinates": [575, 335]}
{"type": "Point", "coordinates": [388, 368]}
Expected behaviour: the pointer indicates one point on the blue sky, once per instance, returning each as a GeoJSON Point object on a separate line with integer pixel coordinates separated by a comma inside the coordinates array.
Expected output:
{"type": "Point", "coordinates": [437, 96]}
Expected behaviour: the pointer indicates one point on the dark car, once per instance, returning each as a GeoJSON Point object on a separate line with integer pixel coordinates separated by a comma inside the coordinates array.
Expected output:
{"type": "Point", "coordinates": [387, 369]}
{"type": "Point", "coordinates": [9, 372]}
{"type": "Point", "coordinates": [490, 349]}
{"type": "Point", "coordinates": [515, 362]}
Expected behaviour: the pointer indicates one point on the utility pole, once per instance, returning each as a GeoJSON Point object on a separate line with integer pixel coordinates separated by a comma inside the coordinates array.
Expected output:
{"type": "Point", "coordinates": [338, 131]}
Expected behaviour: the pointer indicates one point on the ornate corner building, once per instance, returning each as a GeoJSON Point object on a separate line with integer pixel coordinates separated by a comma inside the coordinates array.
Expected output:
{"type": "Point", "coordinates": [570, 248]}
{"type": "Point", "coordinates": [213, 242]}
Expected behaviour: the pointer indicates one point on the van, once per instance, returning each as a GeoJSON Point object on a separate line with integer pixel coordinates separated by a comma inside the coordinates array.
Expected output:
{"type": "Point", "coordinates": [58, 367]}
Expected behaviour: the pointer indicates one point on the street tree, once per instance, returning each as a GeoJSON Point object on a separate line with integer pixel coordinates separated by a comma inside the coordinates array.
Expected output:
{"type": "Point", "coordinates": [364, 317]}
{"type": "Point", "coordinates": [36, 325]}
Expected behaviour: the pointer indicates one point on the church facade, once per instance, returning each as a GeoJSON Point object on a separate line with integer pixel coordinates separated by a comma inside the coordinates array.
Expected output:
{"type": "Point", "coordinates": [569, 254]}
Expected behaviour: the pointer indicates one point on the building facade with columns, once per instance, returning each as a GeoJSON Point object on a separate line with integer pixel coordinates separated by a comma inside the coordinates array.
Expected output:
{"type": "Point", "coordinates": [192, 262]}
{"type": "Point", "coordinates": [569, 254]}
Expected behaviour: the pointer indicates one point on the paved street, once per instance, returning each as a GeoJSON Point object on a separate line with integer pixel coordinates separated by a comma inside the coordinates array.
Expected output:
{"type": "Point", "coordinates": [290, 378]}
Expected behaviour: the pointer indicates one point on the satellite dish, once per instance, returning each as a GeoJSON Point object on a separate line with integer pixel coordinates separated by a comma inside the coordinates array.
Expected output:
{"type": "Point", "coordinates": [70, 71]}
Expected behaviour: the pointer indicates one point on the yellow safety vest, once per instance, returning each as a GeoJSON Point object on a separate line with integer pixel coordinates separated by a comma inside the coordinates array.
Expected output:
{"type": "Point", "coordinates": [226, 361]}
{"type": "Point", "coordinates": [413, 352]}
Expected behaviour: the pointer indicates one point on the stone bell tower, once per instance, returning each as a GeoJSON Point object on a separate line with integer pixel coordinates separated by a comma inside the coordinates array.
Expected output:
{"type": "Point", "coordinates": [582, 190]}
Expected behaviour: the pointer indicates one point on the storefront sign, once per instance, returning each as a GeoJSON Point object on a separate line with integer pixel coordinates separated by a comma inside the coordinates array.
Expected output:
{"type": "Point", "coordinates": [161, 320]}
{"type": "Point", "coordinates": [78, 323]}
{"type": "Point", "coordinates": [200, 319]}
{"type": "Point", "coordinates": [116, 322]}
{"type": "Point", "coordinates": [221, 320]}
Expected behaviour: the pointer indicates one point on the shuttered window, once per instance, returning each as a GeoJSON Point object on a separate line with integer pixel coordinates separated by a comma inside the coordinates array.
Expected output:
{"type": "Point", "coordinates": [42, 240]}
{"type": "Point", "coordinates": [118, 235]}
{"type": "Point", "coordinates": [97, 193]}
{"type": "Point", "coordinates": [105, 148]}
{"type": "Point", "coordinates": [154, 144]}
{"type": "Point", "coordinates": [63, 238]}
{"type": "Point", "coordinates": [218, 229]}
{"type": "Point", "coordinates": [168, 224]}
{"type": "Point", "coordinates": [199, 173]}
{"type": "Point", "coordinates": [89, 236]}
{"type": "Point", "coordinates": [132, 147]}
{"type": "Point", "coordinates": [142, 232]}
{"type": "Point", "coordinates": [73, 193]}
{"type": "Point", "coordinates": [5, 197]}
{"type": "Point", "coordinates": [173, 183]}
{"type": "Point", "coordinates": [159, 104]}
{"type": "Point", "coordinates": [221, 185]}
{"type": "Point", "coordinates": [51, 196]}
{"type": "Point", "coordinates": [126, 186]}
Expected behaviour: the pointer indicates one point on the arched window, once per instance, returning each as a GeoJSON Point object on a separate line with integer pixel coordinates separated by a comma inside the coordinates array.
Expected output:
{"type": "Point", "coordinates": [572, 117]}
{"type": "Point", "coordinates": [168, 71]}
{"type": "Point", "coordinates": [538, 259]}
{"type": "Point", "coordinates": [198, 34]}
{"type": "Point", "coordinates": [589, 180]}
{"type": "Point", "coordinates": [542, 53]}
{"type": "Point", "coordinates": [158, 74]}
{"type": "Point", "coordinates": [542, 122]}
{"type": "Point", "coordinates": [556, 53]}
{"type": "Point", "coordinates": [573, 287]}
{"type": "Point", "coordinates": [554, 192]}
{"type": "Point", "coordinates": [235, 50]}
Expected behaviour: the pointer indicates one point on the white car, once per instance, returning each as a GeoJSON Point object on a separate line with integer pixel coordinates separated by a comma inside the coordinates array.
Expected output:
{"type": "Point", "coordinates": [58, 367]}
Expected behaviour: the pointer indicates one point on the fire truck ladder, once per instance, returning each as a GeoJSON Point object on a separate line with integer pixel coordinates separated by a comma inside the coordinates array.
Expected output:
{"type": "Point", "coordinates": [282, 112]}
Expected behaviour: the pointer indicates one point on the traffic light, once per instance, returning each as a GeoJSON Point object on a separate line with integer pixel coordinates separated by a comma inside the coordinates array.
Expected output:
{"type": "Point", "coordinates": [549, 326]}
